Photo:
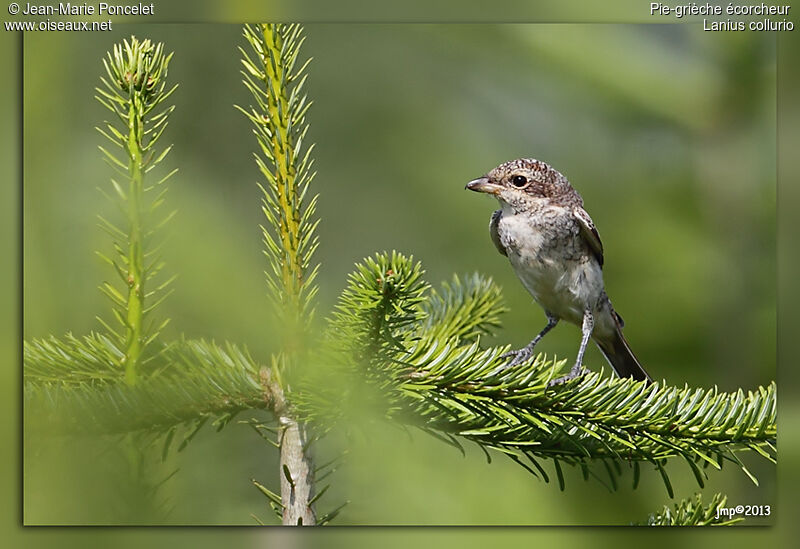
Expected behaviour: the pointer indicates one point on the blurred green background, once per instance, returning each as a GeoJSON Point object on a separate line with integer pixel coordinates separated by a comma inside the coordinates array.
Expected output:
{"type": "Point", "coordinates": [667, 132]}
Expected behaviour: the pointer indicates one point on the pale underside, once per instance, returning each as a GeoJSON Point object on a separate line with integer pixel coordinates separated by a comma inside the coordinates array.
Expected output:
{"type": "Point", "coordinates": [564, 275]}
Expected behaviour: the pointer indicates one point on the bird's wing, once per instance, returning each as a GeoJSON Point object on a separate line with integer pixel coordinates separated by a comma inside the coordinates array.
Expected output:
{"type": "Point", "coordinates": [493, 231]}
{"type": "Point", "coordinates": [589, 233]}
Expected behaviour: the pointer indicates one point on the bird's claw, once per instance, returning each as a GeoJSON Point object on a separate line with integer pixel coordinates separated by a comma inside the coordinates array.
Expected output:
{"type": "Point", "coordinates": [576, 371]}
{"type": "Point", "coordinates": [517, 357]}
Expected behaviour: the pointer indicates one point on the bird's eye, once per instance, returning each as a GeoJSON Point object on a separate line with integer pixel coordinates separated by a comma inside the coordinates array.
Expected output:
{"type": "Point", "coordinates": [519, 181]}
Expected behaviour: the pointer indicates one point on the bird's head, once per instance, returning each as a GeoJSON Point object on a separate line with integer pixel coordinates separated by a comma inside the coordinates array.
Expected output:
{"type": "Point", "coordinates": [525, 183]}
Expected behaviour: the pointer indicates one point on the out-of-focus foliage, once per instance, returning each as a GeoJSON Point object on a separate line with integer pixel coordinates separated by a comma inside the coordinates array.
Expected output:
{"type": "Point", "coordinates": [134, 89]}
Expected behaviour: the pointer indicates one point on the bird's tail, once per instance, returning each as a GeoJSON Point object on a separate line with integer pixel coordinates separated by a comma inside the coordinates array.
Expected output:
{"type": "Point", "coordinates": [619, 355]}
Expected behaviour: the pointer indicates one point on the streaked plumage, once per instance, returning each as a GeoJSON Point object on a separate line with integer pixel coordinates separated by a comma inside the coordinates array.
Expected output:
{"type": "Point", "coordinates": [556, 251]}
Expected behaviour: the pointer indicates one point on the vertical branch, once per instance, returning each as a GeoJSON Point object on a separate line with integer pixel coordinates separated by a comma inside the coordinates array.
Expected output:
{"type": "Point", "coordinates": [297, 469]}
{"type": "Point", "coordinates": [135, 304]}
{"type": "Point", "coordinates": [297, 482]}
{"type": "Point", "coordinates": [280, 127]}
{"type": "Point", "coordinates": [135, 86]}
{"type": "Point", "coordinates": [275, 80]}
{"type": "Point", "coordinates": [289, 235]}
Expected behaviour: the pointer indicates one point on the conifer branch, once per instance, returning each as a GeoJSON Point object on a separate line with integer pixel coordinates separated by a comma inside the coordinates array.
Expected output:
{"type": "Point", "coordinates": [133, 88]}
{"type": "Point", "coordinates": [276, 81]}
{"type": "Point", "coordinates": [72, 361]}
{"type": "Point", "coordinates": [435, 375]}
{"type": "Point", "coordinates": [195, 381]}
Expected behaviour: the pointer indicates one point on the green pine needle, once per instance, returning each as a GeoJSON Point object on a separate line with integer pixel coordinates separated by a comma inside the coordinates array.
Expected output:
{"type": "Point", "coordinates": [191, 380]}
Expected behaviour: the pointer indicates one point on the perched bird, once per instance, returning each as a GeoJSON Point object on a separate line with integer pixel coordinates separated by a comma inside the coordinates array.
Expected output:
{"type": "Point", "coordinates": [556, 252]}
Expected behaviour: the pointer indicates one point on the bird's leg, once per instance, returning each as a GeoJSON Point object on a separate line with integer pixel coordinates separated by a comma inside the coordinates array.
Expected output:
{"type": "Point", "coordinates": [522, 355]}
{"type": "Point", "coordinates": [586, 329]}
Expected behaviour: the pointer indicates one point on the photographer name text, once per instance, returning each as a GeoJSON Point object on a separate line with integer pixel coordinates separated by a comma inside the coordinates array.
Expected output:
{"type": "Point", "coordinates": [102, 8]}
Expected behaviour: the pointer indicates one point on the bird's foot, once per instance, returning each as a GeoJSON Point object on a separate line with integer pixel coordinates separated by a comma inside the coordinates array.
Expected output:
{"type": "Point", "coordinates": [576, 371]}
{"type": "Point", "coordinates": [518, 357]}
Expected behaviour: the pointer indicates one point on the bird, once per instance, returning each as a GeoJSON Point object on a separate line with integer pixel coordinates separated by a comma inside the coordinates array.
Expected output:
{"type": "Point", "coordinates": [556, 252]}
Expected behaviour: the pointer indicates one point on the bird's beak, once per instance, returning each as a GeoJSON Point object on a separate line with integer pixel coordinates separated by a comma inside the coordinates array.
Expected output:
{"type": "Point", "coordinates": [483, 185]}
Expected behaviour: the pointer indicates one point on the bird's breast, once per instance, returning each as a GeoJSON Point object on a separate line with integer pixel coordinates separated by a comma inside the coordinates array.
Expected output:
{"type": "Point", "coordinates": [552, 263]}
{"type": "Point", "coordinates": [540, 238]}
